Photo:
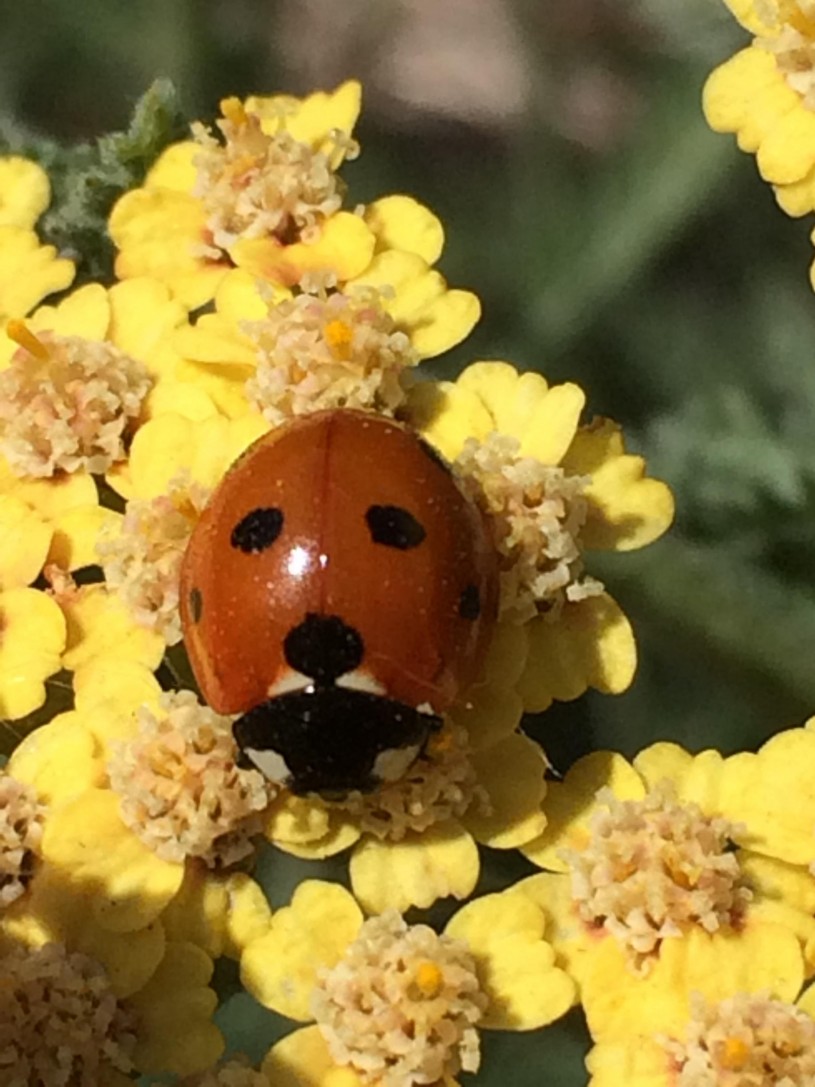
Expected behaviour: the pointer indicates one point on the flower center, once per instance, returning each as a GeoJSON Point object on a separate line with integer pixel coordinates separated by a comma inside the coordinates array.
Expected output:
{"type": "Point", "coordinates": [255, 184]}
{"type": "Point", "coordinates": [328, 350]}
{"type": "Point", "coordinates": [60, 1022]}
{"type": "Point", "coordinates": [142, 559]}
{"type": "Point", "coordinates": [402, 1004]}
{"type": "Point", "coordinates": [440, 785]}
{"type": "Point", "coordinates": [181, 791]}
{"type": "Point", "coordinates": [651, 868]}
{"type": "Point", "coordinates": [746, 1040]}
{"type": "Point", "coordinates": [537, 511]}
{"type": "Point", "coordinates": [21, 825]}
{"type": "Point", "coordinates": [65, 403]}
{"type": "Point", "coordinates": [794, 44]}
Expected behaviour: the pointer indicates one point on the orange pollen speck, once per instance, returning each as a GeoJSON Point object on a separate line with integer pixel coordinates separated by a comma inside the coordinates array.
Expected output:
{"type": "Point", "coordinates": [339, 336]}
{"type": "Point", "coordinates": [735, 1054]}
{"type": "Point", "coordinates": [429, 979]}
{"type": "Point", "coordinates": [233, 110]}
{"type": "Point", "coordinates": [20, 332]}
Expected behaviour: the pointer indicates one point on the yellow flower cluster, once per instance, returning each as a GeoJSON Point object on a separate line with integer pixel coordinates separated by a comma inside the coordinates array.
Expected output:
{"type": "Point", "coordinates": [765, 95]}
{"type": "Point", "coordinates": [251, 289]}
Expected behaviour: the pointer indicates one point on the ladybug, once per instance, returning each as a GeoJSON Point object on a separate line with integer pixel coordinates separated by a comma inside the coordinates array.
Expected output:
{"type": "Point", "coordinates": [337, 593]}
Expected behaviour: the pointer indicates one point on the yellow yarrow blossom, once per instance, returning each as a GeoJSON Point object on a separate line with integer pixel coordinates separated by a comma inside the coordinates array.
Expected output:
{"type": "Point", "coordinates": [765, 94]}
{"type": "Point", "coordinates": [416, 841]}
{"type": "Point", "coordinates": [287, 348]}
{"type": "Point", "coordinates": [122, 882]}
{"type": "Point", "coordinates": [766, 1041]}
{"type": "Point", "coordinates": [28, 271]}
{"type": "Point", "coordinates": [504, 978]}
{"type": "Point", "coordinates": [592, 494]}
{"type": "Point", "coordinates": [267, 198]}
{"type": "Point", "coordinates": [650, 903]}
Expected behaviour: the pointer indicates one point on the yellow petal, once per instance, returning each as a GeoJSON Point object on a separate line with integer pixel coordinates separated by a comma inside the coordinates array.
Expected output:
{"type": "Point", "coordinates": [171, 397]}
{"type": "Point", "coordinates": [400, 222]}
{"type": "Point", "coordinates": [198, 912]}
{"type": "Point", "coordinates": [447, 415]}
{"type": "Point", "coordinates": [28, 271]}
{"type": "Point", "coordinates": [553, 425]}
{"type": "Point", "coordinates": [109, 682]}
{"type": "Point", "coordinates": [50, 497]}
{"type": "Point", "coordinates": [101, 856]}
{"type": "Point", "coordinates": [301, 1059]}
{"type": "Point", "coordinates": [697, 779]}
{"type": "Point", "coordinates": [510, 398]}
{"type": "Point", "coordinates": [590, 644]}
{"type": "Point", "coordinates": [174, 169]}
{"type": "Point", "coordinates": [129, 959]}
{"type": "Point", "coordinates": [507, 655]}
{"type": "Point", "coordinates": [310, 120]}
{"type": "Point", "coordinates": [238, 297]}
{"type": "Point", "coordinates": [76, 533]}
{"type": "Point", "coordinates": [570, 805]}
{"type": "Point", "coordinates": [787, 154]}
{"type": "Point", "coordinates": [344, 247]}
{"type": "Point", "coordinates": [280, 968]}
{"type": "Point", "coordinates": [175, 1030]}
{"type": "Point", "coordinates": [143, 313]}
{"type": "Point", "coordinates": [215, 339]}
{"type": "Point", "coordinates": [618, 1002]}
{"type": "Point", "coordinates": [625, 510]}
{"type": "Point", "coordinates": [512, 772]}
{"type": "Point", "coordinates": [32, 640]}
{"type": "Point", "coordinates": [99, 625]}
{"type": "Point", "coordinates": [571, 938]}
{"type": "Point", "coordinates": [416, 871]}
{"type": "Point", "coordinates": [490, 714]}
{"type": "Point", "coordinates": [58, 760]}
{"type": "Point", "coordinates": [25, 191]}
{"type": "Point", "coordinates": [249, 914]}
{"type": "Point", "coordinates": [635, 1062]}
{"type": "Point", "coordinates": [799, 198]}
{"type": "Point", "coordinates": [773, 795]}
{"type": "Point", "coordinates": [747, 95]}
{"type": "Point", "coordinates": [224, 385]}
{"type": "Point", "coordinates": [516, 966]}
{"type": "Point", "coordinates": [85, 313]}
{"type": "Point", "coordinates": [24, 542]}
{"type": "Point", "coordinates": [305, 827]}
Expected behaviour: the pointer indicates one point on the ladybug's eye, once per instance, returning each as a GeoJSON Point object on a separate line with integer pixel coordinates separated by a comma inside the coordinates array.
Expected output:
{"type": "Point", "coordinates": [394, 527]}
{"type": "Point", "coordinates": [257, 530]}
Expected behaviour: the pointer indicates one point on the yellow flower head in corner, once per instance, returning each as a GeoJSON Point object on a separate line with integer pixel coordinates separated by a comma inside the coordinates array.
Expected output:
{"type": "Point", "coordinates": [765, 94]}
{"type": "Point", "coordinates": [651, 899]}
{"type": "Point", "coordinates": [554, 489]}
{"type": "Point", "coordinates": [397, 1004]}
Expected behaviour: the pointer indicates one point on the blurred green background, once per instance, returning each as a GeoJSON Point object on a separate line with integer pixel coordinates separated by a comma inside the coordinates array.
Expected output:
{"type": "Point", "coordinates": [614, 241]}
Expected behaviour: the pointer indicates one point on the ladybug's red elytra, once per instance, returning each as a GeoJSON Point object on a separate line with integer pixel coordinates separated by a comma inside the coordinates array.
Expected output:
{"type": "Point", "coordinates": [337, 593]}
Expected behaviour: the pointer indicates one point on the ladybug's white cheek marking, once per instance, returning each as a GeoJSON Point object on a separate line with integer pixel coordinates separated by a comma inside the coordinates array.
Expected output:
{"type": "Point", "coordinates": [291, 681]}
{"type": "Point", "coordinates": [394, 764]}
{"type": "Point", "coordinates": [271, 765]}
{"type": "Point", "coordinates": [360, 681]}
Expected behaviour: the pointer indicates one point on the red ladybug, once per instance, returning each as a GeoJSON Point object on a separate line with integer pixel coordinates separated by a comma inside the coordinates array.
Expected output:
{"type": "Point", "coordinates": [337, 593]}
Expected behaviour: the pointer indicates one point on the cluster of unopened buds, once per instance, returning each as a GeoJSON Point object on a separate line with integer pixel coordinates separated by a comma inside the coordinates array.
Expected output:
{"type": "Point", "coordinates": [299, 597]}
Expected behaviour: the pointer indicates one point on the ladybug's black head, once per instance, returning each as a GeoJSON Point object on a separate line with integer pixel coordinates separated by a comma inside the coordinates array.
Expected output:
{"type": "Point", "coordinates": [332, 740]}
{"type": "Point", "coordinates": [329, 737]}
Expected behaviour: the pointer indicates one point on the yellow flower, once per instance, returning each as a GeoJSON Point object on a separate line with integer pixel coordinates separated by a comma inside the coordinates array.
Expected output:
{"type": "Point", "coordinates": [362, 980]}
{"type": "Point", "coordinates": [415, 841]}
{"type": "Point", "coordinates": [401, 311]}
{"type": "Point", "coordinates": [764, 1041]}
{"type": "Point", "coordinates": [773, 794]}
{"type": "Point", "coordinates": [267, 197]}
{"type": "Point", "coordinates": [123, 882]}
{"type": "Point", "coordinates": [28, 271]}
{"type": "Point", "coordinates": [75, 997]}
{"type": "Point", "coordinates": [650, 902]}
{"type": "Point", "coordinates": [765, 94]}
{"type": "Point", "coordinates": [522, 442]}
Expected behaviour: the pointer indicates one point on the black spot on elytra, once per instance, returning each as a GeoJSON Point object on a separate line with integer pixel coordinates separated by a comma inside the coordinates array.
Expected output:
{"type": "Point", "coordinates": [469, 603]}
{"type": "Point", "coordinates": [394, 527]}
{"type": "Point", "coordinates": [196, 601]}
{"type": "Point", "coordinates": [434, 455]}
{"type": "Point", "coordinates": [323, 648]}
{"type": "Point", "coordinates": [257, 530]}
